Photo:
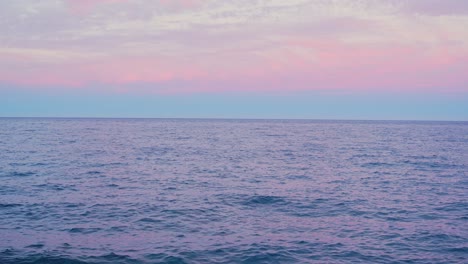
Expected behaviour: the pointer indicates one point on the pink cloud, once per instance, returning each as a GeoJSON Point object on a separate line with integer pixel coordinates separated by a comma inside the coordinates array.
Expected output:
{"type": "Point", "coordinates": [112, 72]}
{"type": "Point", "coordinates": [332, 66]}
{"type": "Point", "coordinates": [386, 67]}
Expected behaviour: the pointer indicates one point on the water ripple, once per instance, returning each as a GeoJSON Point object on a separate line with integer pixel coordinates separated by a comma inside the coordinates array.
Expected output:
{"type": "Point", "coordinates": [232, 191]}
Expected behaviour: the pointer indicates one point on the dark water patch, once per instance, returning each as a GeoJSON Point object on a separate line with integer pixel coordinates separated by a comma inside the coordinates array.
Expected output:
{"type": "Point", "coordinates": [159, 150]}
{"type": "Point", "coordinates": [39, 164]}
{"type": "Point", "coordinates": [164, 258]}
{"type": "Point", "coordinates": [431, 164]}
{"type": "Point", "coordinates": [183, 138]}
{"type": "Point", "coordinates": [287, 153]}
{"type": "Point", "coordinates": [149, 220]}
{"type": "Point", "coordinates": [461, 206]}
{"type": "Point", "coordinates": [41, 259]}
{"type": "Point", "coordinates": [21, 174]}
{"type": "Point", "coordinates": [441, 238]}
{"type": "Point", "coordinates": [81, 230]}
{"type": "Point", "coordinates": [262, 253]}
{"type": "Point", "coordinates": [378, 165]}
{"type": "Point", "coordinates": [101, 205]}
{"type": "Point", "coordinates": [190, 213]}
{"type": "Point", "coordinates": [51, 258]}
{"type": "Point", "coordinates": [430, 216]}
{"type": "Point", "coordinates": [54, 187]}
{"type": "Point", "coordinates": [358, 213]}
{"type": "Point", "coordinates": [113, 258]}
{"type": "Point", "coordinates": [463, 250]}
{"type": "Point", "coordinates": [118, 229]}
{"type": "Point", "coordinates": [364, 155]}
{"type": "Point", "coordinates": [74, 205]}
{"type": "Point", "coordinates": [311, 207]}
{"type": "Point", "coordinates": [36, 246]}
{"type": "Point", "coordinates": [358, 257]}
{"type": "Point", "coordinates": [258, 200]}
{"type": "Point", "coordinates": [253, 253]}
{"type": "Point", "coordinates": [298, 177]}
{"type": "Point", "coordinates": [18, 164]}
{"type": "Point", "coordinates": [276, 135]}
{"type": "Point", "coordinates": [155, 256]}
{"type": "Point", "coordinates": [174, 260]}
{"type": "Point", "coordinates": [7, 252]}
{"type": "Point", "coordinates": [9, 205]}
{"type": "Point", "coordinates": [267, 257]}
{"type": "Point", "coordinates": [93, 172]}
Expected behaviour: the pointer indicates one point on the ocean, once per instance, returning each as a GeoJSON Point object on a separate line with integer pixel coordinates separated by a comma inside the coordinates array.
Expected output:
{"type": "Point", "coordinates": [232, 191]}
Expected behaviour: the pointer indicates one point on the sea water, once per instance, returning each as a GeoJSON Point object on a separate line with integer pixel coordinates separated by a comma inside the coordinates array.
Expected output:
{"type": "Point", "coordinates": [232, 191]}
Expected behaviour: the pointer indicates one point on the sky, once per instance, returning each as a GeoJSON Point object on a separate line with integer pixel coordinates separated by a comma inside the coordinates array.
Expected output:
{"type": "Point", "coordinates": [319, 59]}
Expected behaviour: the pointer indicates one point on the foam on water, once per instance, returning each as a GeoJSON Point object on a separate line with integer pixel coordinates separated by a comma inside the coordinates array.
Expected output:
{"type": "Point", "coordinates": [232, 191]}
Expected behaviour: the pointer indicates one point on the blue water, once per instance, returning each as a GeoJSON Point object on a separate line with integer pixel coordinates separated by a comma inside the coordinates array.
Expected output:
{"type": "Point", "coordinates": [232, 191]}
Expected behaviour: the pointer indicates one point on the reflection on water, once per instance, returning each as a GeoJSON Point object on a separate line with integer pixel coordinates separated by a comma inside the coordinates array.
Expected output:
{"type": "Point", "coordinates": [235, 191]}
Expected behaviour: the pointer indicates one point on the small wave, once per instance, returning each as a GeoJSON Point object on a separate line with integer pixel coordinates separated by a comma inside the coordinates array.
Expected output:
{"type": "Point", "coordinates": [39, 164]}
{"type": "Point", "coordinates": [440, 238]}
{"type": "Point", "coordinates": [377, 164]}
{"type": "Point", "coordinates": [298, 177]}
{"type": "Point", "coordinates": [41, 259]}
{"type": "Point", "coordinates": [355, 256]}
{"type": "Point", "coordinates": [8, 205]}
{"type": "Point", "coordinates": [84, 230]}
{"type": "Point", "coordinates": [173, 260]}
{"type": "Point", "coordinates": [113, 258]}
{"type": "Point", "coordinates": [156, 150]}
{"type": "Point", "coordinates": [35, 246]}
{"type": "Point", "coordinates": [276, 135]}
{"type": "Point", "coordinates": [264, 200]}
{"type": "Point", "coordinates": [73, 205]}
{"type": "Point", "coordinates": [50, 258]}
{"type": "Point", "coordinates": [118, 228]}
{"type": "Point", "coordinates": [93, 172]}
{"type": "Point", "coordinates": [149, 220]}
{"type": "Point", "coordinates": [21, 174]}
{"type": "Point", "coordinates": [458, 250]}
{"type": "Point", "coordinates": [54, 187]}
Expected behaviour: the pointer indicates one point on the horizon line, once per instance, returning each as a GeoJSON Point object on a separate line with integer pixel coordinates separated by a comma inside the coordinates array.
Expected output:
{"type": "Point", "coordinates": [231, 118]}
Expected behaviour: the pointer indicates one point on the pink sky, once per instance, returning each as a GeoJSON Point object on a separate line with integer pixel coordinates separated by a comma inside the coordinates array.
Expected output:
{"type": "Point", "coordinates": [197, 46]}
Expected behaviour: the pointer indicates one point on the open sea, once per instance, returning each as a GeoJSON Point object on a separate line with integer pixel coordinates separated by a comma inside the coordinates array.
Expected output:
{"type": "Point", "coordinates": [232, 191]}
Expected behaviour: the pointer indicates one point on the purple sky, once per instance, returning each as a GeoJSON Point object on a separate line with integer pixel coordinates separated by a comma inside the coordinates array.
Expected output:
{"type": "Point", "coordinates": [194, 47]}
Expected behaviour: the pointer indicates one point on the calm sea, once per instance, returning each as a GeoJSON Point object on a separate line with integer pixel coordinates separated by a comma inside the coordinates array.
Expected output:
{"type": "Point", "coordinates": [232, 191]}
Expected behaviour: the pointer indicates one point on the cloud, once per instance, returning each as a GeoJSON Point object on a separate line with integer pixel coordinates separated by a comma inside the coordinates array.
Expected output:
{"type": "Point", "coordinates": [191, 45]}
{"type": "Point", "coordinates": [302, 64]}
{"type": "Point", "coordinates": [437, 7]}
{"type": "Point", "coordinates": [87, 6]}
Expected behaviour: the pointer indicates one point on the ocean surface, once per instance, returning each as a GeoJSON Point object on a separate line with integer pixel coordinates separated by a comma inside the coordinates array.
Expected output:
{"type": "Point", "coordinates": [232, 191]}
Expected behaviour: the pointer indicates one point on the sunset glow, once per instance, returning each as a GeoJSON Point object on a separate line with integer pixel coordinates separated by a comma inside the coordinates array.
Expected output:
{"type": "Point", "coordinates": [186, 47]}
